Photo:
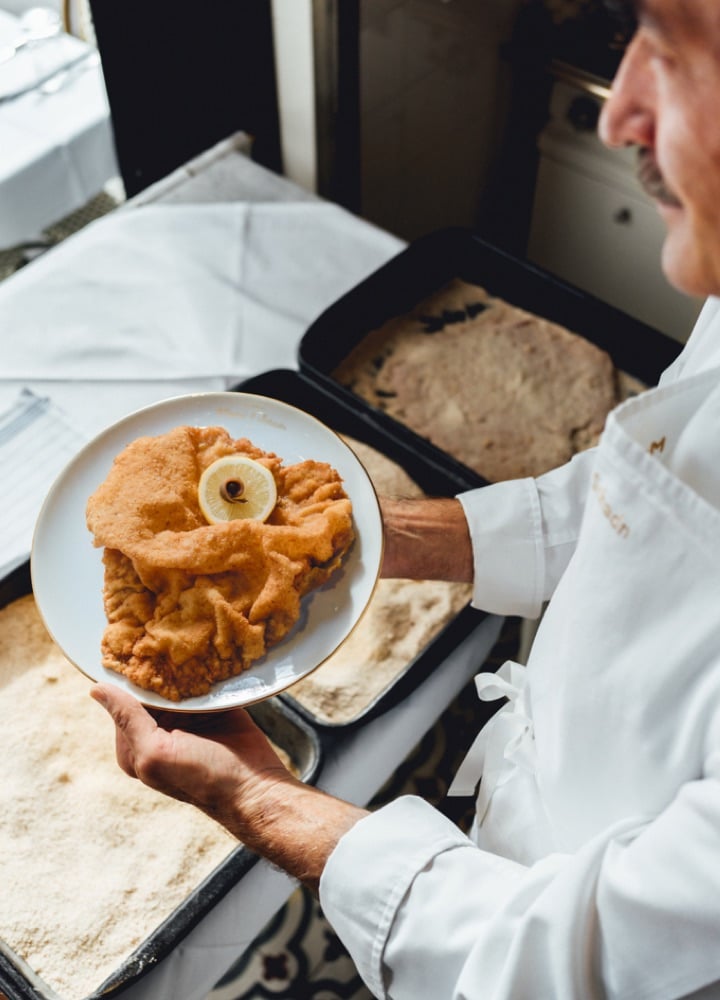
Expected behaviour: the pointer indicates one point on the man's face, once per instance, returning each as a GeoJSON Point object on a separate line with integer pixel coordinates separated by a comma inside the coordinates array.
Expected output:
{"type": "Point", "coordinates": [666, 100]}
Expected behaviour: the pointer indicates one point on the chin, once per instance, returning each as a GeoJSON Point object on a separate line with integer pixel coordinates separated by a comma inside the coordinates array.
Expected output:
{"type": "Point", "coordinates": [687, 261]}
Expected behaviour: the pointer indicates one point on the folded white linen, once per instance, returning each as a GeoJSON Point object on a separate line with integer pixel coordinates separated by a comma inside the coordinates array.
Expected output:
{"type": "Point", "coordinates": [36, 442]}
{"type": "Point", "coordinates": [183, 291]}
{"type": "Point", "coordinates": [93, 406]}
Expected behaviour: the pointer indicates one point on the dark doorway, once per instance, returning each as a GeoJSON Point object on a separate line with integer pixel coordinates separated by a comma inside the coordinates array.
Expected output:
{"type": "Point", "coordinates": [181, 76]}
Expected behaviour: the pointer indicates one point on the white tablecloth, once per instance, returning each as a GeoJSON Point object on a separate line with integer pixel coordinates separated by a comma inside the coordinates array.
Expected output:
{"type": "Point", "coordinates": [169, 292]}
{"type": "Point", "coordinates": [56, 149]}
{"type": "Point", "coordinates": [164, 300]}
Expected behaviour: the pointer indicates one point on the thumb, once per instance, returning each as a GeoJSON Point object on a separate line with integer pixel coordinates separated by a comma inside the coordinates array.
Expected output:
{"type": "Point", "coordinates": [134, 725]}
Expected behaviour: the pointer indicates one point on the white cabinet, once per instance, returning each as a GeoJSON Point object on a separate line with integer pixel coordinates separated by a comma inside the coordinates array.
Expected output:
{"type": "Point", "coordinates": [593, 226]}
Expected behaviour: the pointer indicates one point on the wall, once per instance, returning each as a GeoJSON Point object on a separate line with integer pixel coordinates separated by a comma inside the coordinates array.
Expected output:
{"type": "Point", "coordinates": [434, 93]}
{"type": "Point", "coordinates": [294, 60]}
{"type": "Point", "coordinates": [433, 96]}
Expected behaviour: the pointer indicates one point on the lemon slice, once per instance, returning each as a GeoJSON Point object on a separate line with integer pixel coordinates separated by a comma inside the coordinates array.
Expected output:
{"type": "Point", "coordinates": [236, 487]}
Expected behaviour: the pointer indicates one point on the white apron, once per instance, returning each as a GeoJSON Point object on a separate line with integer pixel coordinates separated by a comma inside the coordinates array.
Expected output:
{"type": "Point", "coordinates": [614, 711]}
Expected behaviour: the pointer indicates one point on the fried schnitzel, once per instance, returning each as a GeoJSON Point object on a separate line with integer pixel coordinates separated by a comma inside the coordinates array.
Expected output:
{"type": "Point", "coordinates": [190, 603]}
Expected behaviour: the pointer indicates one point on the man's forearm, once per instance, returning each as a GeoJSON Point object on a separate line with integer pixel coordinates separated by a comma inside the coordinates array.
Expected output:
{"type": "Point", "coordinates": [426, 540]}
{"type": "Point", "coordinates": [224, 765]}
{"type": "Point", "coordinates": [296, 827]}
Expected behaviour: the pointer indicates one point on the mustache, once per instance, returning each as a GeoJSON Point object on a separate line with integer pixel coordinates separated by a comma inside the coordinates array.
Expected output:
{"type": "Point", "coordinates": [652, 180]}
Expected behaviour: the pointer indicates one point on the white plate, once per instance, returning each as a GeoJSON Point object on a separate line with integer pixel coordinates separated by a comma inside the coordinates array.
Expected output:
{"type": "Point", "coordinates": [67, 571]}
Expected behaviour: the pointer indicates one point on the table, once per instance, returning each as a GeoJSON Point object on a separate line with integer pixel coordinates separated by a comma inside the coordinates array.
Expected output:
{"type": "Point", "coordinates": [285, 289]}
{"type": "Point", "coordinates": [56, 140]}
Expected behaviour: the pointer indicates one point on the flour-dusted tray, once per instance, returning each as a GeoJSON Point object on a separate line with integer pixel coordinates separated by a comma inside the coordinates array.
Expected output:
{"type": "Point", "coordinates": [288, 730]}
{"type": "Point", "coordinates": [425, 267]}
{"type": "Point", "coordinates": [436, 477]}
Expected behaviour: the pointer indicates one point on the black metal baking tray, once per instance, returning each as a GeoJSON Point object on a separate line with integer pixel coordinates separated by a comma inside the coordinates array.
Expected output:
{"type": "Point", "coordinates": [290, 731]}
{"type": "Point", "coordinates": [428, 264]}
{"type": "Point", "coordinates": [436, 477]}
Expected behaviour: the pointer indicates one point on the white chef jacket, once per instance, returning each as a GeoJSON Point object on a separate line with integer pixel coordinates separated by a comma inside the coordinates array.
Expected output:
{"type": "Point", "coordinates": [594, 867]}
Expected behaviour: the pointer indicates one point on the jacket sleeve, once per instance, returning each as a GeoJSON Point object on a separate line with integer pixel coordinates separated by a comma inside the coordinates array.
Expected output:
{"type": "Point", "coordinates": [524, 531]}
{"type": "Point", "coordinates": [523, 534]}
{"type": "Point", "coordinates": [633, 915]}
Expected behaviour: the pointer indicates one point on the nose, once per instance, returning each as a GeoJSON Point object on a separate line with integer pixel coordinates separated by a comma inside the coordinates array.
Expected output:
{"type": "Point", "coordinates": [628, 115]}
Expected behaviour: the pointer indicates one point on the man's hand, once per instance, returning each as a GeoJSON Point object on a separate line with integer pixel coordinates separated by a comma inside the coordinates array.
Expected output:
{"type": "Point", "coordinates": [207, 759]}
{"type": "Point", "coordinates": [223, 764]}
{"type": "Point", "coordinates": [426, 539]}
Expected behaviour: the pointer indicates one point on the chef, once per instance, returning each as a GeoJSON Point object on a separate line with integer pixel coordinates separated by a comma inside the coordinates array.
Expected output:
{"type": "Point", "coordinates": [593, 868]}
